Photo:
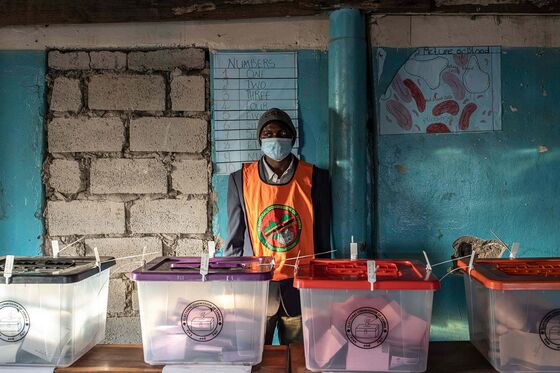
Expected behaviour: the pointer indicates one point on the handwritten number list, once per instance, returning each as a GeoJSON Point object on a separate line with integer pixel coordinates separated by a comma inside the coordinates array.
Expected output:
{"type": "Point", "coordinates": [245, 85]}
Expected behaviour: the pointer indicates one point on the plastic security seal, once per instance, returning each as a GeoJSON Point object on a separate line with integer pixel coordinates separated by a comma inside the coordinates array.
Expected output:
{"type": "Point", "coordinates": [97, 258]}
{"type": "Point", "coordinates": [211, 249]}
{"type": "Point", "coordinates": [514, 250]}
{"type": "Point", "coordinates": [428, 265]}
{"type": "Point", "coordinates": [471, 261]}
{"type": "Point", "coordinates": [353, 249]}
{"type": "Point", "coordinates": [8, 268]}
{"type": "Point", "coordinates": [371, 272]}
{"type": "Point", "coordinates": [55, 248]}
{"type": "Point", "coordinates": [204, 265]}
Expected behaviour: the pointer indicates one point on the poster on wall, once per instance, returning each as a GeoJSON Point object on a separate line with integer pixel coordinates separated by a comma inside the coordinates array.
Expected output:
{"type": "Point", "coordinates": [245, 85]}
{"type": "Point", "coordinates": [442, 90]}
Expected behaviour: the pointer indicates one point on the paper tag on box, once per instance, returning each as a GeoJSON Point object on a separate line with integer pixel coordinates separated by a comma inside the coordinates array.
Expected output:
{"type": "Point", "coordinates": [55, 248]}
{"type": "Point", "coordinates": [8, 267]}
{"type": "Point", "coordinates": [204, 264]}
{"type": "Point", "coordinates": [371, 272]}
{"type": "Point", "coordinates": [211, 249]}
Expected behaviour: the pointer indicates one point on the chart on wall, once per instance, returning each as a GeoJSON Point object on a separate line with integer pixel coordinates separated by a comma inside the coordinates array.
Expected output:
{"type": "Point", "coordinates": [442, 90]}
{"type": "Point", "coordinates": [245, 85]}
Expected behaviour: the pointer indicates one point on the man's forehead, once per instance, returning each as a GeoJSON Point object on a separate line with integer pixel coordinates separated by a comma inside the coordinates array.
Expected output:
{"type": "Point", "coordinates": [276, 124]}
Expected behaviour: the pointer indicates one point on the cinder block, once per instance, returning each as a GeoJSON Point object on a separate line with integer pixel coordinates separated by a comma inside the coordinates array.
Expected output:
{"type": "Point", "coordinates": [167, 59]}
{"type": "Point", "coordinates": [191, 176]}
{"type": "Point", "coordinates": [181, 135]}
{"type": "Point", "coordinates": [69, 135]}
{"type": "Point", "coordinates": [65, 176]}
{"type": "Point", "coordinates": [135, 302]}
{"type": "Point", "coordinates": [125, 247]}
{"type": "Point", "coordinates": [169, 216]}
{"type": "Point", "coordinates": [189, 247]}
{"type": "Point", "coordinates": [74, 250]}
{"type": "Point", "coordinates": [68, 60]}
{"type": "Point", "coordinates": [123, 330]}
{"type": "Point", "coordinates": [126, 92]}
{"type": "Point", "coordinates": [66, 95]}
{"type": "Point", "coordinates": [188, 93]}
{"type": "Point", "coordinates": [85, 217]}
{"type": "Point", "coordinates": [117, 295]}
{"type": "Point", "coordinates": [108, 60]}
{"type": "Point", "coordinates": [127, 176]}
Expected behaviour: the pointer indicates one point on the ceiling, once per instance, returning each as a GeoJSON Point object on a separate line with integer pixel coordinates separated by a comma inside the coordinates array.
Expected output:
{"type": "Point", "coordinates": [44, 12]}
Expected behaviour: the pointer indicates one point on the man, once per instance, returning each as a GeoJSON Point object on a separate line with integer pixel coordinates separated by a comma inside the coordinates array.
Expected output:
{"type": "Point", "coordinates": [279, 206]}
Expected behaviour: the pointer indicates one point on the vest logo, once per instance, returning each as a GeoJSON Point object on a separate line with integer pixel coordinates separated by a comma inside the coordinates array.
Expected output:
{"type": "Point", "coordinates": [202, 321]}
{"type": "Point", "coordinates": [279, 228]}
{"type": "Point", "coordinates": [549, 330]}
{"type": "Point", "coordinates": [367, 327]}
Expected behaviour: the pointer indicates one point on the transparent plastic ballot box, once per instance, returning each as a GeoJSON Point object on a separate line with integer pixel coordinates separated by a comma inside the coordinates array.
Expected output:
{"type": "Point", "coordinates": [353, 324]}
{"type": "Point", "coordinates": [514, 312]}
{"type": "Point", "coordinates": [191, 319]}
{"type": "Point", "coordinates": [52, 310]}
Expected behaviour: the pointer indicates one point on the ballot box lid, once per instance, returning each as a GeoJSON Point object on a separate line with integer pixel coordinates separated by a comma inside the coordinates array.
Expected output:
{"type": "Point", "coordinates": [244, 268]}
{"type": "Point", "coordinates": [353, 274]}
{"type": "Point", "coordinates": [49, 270]}
{"type": "Point", "coordinates": [515, 274]}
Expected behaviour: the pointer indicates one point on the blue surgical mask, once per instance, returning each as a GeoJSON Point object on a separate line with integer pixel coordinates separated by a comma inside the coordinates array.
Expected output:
{"type": "Point", "coordinates": [276, 148]}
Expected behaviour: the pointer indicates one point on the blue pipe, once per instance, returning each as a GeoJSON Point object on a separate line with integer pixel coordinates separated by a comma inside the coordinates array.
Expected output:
{"type": "Point", "coordinates": [22, 107]}
{"type": "Point", "coordinates": [348, 128]}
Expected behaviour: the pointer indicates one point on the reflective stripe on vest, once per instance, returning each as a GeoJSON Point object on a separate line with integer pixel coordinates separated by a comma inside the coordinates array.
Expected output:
{"type": "Point", "coordinates": [280, 217]}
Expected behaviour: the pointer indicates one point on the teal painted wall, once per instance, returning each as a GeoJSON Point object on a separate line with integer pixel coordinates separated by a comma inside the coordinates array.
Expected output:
{"type": "Point", "coordinates": [313, 114]}
{"type": "Point", "coordinates": [432, 189]}
{"type": "Point", "coordinates": [22, 106]}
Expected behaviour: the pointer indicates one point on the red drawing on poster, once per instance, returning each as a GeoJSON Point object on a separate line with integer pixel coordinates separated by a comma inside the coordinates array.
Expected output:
{"type": "Point", "coordinates": [442, 90]}
{"type": "Point", "coordinates": [416, 94]}
{"type": "Point", "coordinates": [437, 128]}
{"type": "Point", "coordinates": [400, 113]}
{"type": "Point", "coordinates": [468, 110]}
{"type": "Point", "coordinates": [449, 107]}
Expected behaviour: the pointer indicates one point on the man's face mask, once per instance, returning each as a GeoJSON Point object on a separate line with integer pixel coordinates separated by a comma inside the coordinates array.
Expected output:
{"type": "Point", "coordinates": [276, 148]}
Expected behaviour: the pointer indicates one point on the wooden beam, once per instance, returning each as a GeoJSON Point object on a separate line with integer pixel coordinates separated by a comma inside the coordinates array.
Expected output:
{"type": "Point", "coordinates": [42, 12]}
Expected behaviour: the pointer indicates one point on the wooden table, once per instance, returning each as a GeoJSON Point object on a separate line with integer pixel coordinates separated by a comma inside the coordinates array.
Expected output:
{"type": "Point", "coordinates": [130, 359]}
{"type": "Point", "coordinates": [444, 357]}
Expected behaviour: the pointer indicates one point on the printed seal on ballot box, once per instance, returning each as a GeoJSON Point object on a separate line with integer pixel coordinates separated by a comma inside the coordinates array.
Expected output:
{"type": "Point", "coordinates": [14, 321]}
{"type": "Point", "coordinates": [549, 330]}
{"type": "Point", "coordinates": [202, 321]}
{"type": "Point", "coordinates": [367, 327]}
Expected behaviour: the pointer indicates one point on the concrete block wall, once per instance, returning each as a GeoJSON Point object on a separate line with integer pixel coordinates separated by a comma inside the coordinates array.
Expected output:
{"type": "Point", "coordinates": [128, 162]}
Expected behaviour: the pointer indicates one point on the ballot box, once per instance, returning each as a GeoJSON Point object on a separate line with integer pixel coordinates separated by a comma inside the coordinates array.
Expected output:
{"type": "Point", "coordinates": [189, 318]}
{"type": "Point", "coordinates": [353, 321]}
{"type": "Point", "coordinates": [514, 312]}
{"type": "Point", "coordinates": [52, 310]}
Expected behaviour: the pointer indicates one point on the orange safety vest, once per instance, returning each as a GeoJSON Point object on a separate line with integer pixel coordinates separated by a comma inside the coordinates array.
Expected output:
{"type": "Point", "coordinates": [280, 217]}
